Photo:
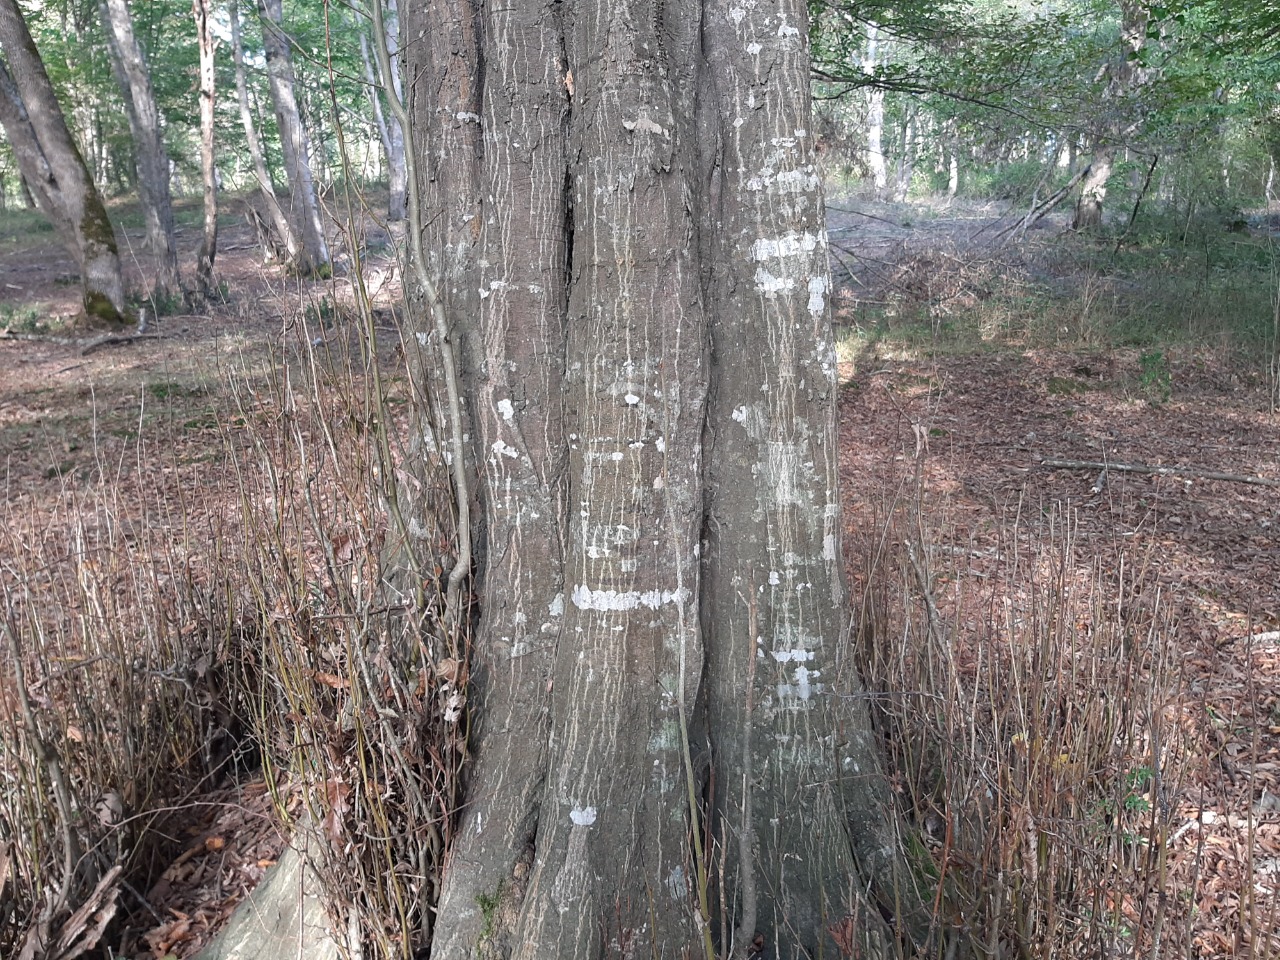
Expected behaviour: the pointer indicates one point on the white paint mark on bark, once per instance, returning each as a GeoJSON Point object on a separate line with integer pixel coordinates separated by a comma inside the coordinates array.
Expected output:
{"type": "Point", "coordinates": [737, 14]}
{"type": "Point", "coordinates": [770, 285]}
{"type": "Point", "coordinates": [631, 399]}
{"type": "Point", "coordinates": [774, 579]}
{"type": "Point", "coordinates": [753, 48]}
{"type": "Point", "coordinates": [788, 245]}
{"type": "Point", "coordinates": [661, 444]}
{"type": "Point", "coordinates": [794, 656]}
{"type": "Point", "coordinates": [505, 450]}
{"type": "Point", "coordinates": [556, 606]}
{"type": "Point", "coordinates": [829, 547]}
{"type": "Point", "coordinates": [584, 598]}
{"type": "Point", "coordinates": [787, 30]}
{"type": "Point", "coordinates": [506, 409]}
{"type": "Point", "coordinates": [583, 816]}
{"type": "Point", "coordinates": [643, 124]}
{"type": "Point", "coordinates": [817, 296]}
{"type": "Point", "coordinates": [464, 116]}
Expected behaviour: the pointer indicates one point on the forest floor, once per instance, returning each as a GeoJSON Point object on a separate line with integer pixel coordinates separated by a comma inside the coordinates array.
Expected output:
{"type": "Point", "coordinates": [960, 426]}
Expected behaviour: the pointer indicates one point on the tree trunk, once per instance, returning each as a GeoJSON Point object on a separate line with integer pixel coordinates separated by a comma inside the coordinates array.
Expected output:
{"type": "Point", "coordinates": [875, 116]}
{"type": "Point", "coordinates": [54, 169]}
{"type": "Point", "coordinates": [626, 225]}
{"type": "Point", "coordinates": [314, 255]}
{"type": "Point", "coordinates": [389, 130]}
{"type": "Point", "coordinates": [129, 63]}
{"type": "Point", "coordinates": [209, 243]}
{"type": "Point", "coordinates": [275, 215]}
{"type": "Point", "coordinates": [1093, 191]}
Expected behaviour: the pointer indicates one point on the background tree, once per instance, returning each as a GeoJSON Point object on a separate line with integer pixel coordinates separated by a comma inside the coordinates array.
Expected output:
{"type": "Point", "coordinates": [209, 242]}
{"type": "Point", "coordinates": [129, 61]}
{"type": "Point", "coordinates": [54, 169]}
{"type": "Point", "coordinates": [294, 141]}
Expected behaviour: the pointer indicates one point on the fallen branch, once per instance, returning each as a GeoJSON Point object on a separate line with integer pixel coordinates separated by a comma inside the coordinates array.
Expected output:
{"type": "Point", "coordinates": [1196, 472]}
{"type": "Point", "coordinates": [115, 340]}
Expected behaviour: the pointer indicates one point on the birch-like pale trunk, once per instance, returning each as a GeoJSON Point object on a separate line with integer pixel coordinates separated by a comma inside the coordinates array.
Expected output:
{"type": "Point", "coordinates": [275, 215]}
{"type": "Point", "coordinates": [313, 257]}
{"type": "Point", "coordinates": [389, 132]}
{"type": "Point", "coordinates": [209, 242]}
{"type": "Point", "coordinates": [624, 216]}
{"type": "Point", "coordinates": [875, 115]}
{"type": "Point", "coordinates": [54, 170]}
{"type": "Point", "coordinates": [129, 63]}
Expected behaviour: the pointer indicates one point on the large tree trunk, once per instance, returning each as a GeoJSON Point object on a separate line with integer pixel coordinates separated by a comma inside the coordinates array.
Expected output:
{"type": "Point", "coordinates": [129, 63]}
{"type": "Point", "coordinates": [626, 226]}
{"type": "Point", "coordinates": [209, 242]}
{"type": "Point", "coordinates": [294, 143]}
{"type": "Point", "coordinates": [54, 169]}
{"type": "Point", "coordinates": [275, 215]}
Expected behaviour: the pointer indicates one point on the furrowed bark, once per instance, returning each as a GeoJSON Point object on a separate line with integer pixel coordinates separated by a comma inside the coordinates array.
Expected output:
{"type": "Point", "coordinates": [625, 222]}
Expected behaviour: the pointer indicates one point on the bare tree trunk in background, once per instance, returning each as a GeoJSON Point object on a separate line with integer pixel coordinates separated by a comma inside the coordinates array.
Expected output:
{"type": "Point", "coordinates": [875, 116]}
{"type": "Point", "coordinates": [623, 215]}
{"type": "Point", "coordinates": [278, 221]}
{"type": "Point", "coordinates": [314, 255]}
{"type": "Point", "coordinates": [54, 170]}
{"type": "Point", "coordinates": [209, 243]}
{"type": "Point", "coordinates": [1123, 78]}
{"type": "Point", "coordinates": [129, 63]}
{"type": "Point", "coordinates": [906, 166]}
{"type": "Point", "coordinates": [389, 130]}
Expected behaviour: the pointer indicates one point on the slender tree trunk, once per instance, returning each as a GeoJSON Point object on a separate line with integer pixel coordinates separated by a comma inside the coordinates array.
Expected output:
{"type": "Point", "coordinates": [209, 243]}
{"type": "Point", "coordinates": [129, 63]}
{"type": "Point", "coordinates": [275, 215]}
{"type": "Point", "coordinates": [875, 116]}
{"type": "Point", "coordinates": [389, 130]}
{"type": "Point", "coordinates": [295, 145]}
{"type": "Point", "coordinates": [54, 169]}
{"type": "Point", "coordinates": [625, 221]}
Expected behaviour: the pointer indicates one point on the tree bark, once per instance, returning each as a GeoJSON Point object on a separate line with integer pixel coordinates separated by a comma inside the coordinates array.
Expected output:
{"type": "Point", "coordinates": [209, 243]}
{"type": "Point", "coordinates": [54, 169]}
{"type": "Point", "coordinates": [275, 215]}
{"type": "Point", "coordinates": [625, 222]}
{"type": "Point", "coordinates": [313, 257]}
{"type": "Point", "coordinates": [129, 63]}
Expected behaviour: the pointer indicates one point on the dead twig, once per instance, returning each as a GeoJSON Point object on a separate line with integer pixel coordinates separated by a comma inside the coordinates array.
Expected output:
{"type": "Point", "coordinates": [1196, 472]}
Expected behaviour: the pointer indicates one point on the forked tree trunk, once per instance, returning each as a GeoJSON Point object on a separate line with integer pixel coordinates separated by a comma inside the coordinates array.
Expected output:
{"type": "Point", "coordinates": [54, 169]}
{"type": "Point", "coordinates": [294, 142]}
{"type": "Point", "coordinates": [275, 215]}
{"type": "Point", "coordinates": [129, 63]}
{"type": "Point", "coordinates": [209, 243]}
{"type": "Point", "coordinates": [626, 222]}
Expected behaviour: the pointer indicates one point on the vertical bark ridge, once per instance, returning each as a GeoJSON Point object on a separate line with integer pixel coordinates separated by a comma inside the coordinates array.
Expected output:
{"type": "Point", "coordinates": [518, 420]}
{"type": "Point", "coordinates": [773, 507]}
{"type": "Point", "coordinates": [612, 874]}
